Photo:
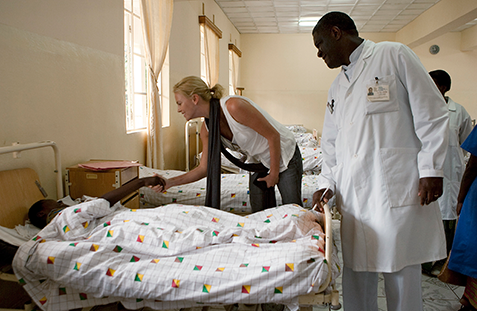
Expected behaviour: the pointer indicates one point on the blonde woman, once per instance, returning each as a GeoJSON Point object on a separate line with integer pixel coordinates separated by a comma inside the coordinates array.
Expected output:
{"type": "Point", "coordinates": [237, 123]}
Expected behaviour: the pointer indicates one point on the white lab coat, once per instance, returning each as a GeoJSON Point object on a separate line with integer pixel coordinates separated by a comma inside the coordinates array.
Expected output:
{"type": "Point", "coordinates": [460, 126]}
{"type": "Point", "coordinates": [373, 159]}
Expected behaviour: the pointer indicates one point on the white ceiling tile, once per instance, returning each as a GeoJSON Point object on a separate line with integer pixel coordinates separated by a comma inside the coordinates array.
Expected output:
{"type": "Point", "coordinates": [371, 2]}
{"type": "Point", "coordinates": [365, 9]}
{"type": "Point", "coordinates": [411, 12]}
{"type": "Point", "coordinates": [262, 21]}
{"type": "Point", "coordinates": [253, 3]}
{"type": "Point", "coordinates": [341, 8]}
{"type": "Point", "coordinates": [228, 11]}
{"type": "Point", "coordinates": [263, 14]}
{"type": "Point", "coordinates": [285, 20]}
{"type": "Point", "coordinates": [231, 4]}
{"type": "Point", "coordinates": [239, 15]}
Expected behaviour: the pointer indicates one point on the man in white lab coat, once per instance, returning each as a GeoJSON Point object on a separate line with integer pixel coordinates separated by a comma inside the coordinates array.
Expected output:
{"type": "Point", "coordinates": [383, 155]}
{"type": "Point", "coordinates": [460, 126]}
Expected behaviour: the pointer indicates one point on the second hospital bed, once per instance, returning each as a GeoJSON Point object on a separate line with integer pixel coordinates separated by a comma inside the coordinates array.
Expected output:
{"type": "Point", "coordinates": [234, 191]}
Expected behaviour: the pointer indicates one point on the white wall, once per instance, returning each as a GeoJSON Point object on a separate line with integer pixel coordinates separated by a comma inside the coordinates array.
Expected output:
{"type": "Point", "coordinates": [63, 80]}
{"type": "Point", "coordinates": [184, 58]}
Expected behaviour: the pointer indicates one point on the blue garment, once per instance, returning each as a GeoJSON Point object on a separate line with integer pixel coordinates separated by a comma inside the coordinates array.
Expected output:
{"type": "Point", "coordinates": [464, 250]}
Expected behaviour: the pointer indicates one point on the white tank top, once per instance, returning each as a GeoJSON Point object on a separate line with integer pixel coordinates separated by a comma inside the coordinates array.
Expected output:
{"type": "Point", "coordinates": [254, 145]}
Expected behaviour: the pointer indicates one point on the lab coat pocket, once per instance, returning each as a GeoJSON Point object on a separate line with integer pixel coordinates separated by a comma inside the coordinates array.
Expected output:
{"type": "Point", "coordinates": [388, 84]}
{"type": "Point", "coordinates": [400, 174]}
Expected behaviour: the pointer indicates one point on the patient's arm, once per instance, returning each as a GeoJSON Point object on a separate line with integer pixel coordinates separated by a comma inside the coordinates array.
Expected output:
{"type": "Point", "coordinates": [117, 194]}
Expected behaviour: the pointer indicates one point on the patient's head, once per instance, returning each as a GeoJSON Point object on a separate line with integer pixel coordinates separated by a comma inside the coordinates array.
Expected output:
{"type": "Point", "coordinates": [43, 211]}
{"type": "Point", "coordinates": [195, 85]}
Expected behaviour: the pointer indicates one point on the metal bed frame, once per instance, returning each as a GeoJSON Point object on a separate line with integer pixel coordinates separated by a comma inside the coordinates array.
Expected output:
{"type": "Point", "coordinates": [189, 124]}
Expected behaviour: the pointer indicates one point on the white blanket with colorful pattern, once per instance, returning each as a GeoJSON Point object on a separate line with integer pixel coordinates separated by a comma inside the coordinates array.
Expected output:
{"type": "Point", "coordinates": [170, 257]}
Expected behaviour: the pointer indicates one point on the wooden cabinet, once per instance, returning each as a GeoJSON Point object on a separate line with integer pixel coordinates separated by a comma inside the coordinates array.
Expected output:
{"type": "Point", "coordinates": [81, 181]}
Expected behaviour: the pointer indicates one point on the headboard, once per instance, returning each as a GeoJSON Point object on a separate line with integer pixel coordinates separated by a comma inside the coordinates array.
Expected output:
{"type": "Point", "coordinates": [19, 188]}
{"type": "Point", "coordinates": [18, 191]}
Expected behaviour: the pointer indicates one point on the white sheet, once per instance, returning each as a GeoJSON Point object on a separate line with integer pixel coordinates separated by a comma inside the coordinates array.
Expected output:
{"type": "Point", "coordinates": [172, 257]}
{"type": "Point", "coordinates": [234, 191]}
{"type": "Point", "coordinates": [18, 235]}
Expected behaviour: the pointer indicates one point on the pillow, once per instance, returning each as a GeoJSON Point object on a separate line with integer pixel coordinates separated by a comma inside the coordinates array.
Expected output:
{"type": "Point", "coordinates": [295, 128]}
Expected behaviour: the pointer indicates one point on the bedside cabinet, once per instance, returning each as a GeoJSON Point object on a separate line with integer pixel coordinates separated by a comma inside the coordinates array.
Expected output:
{"type": "Point", "coordinates": [81, 181]}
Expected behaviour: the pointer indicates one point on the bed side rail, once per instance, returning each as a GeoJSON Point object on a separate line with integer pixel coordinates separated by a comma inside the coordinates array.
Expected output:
{"type": "Point", "coordinates": [42, 144]}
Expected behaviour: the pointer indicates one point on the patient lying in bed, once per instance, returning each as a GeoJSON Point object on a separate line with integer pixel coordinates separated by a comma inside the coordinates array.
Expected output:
{"type": "Point", "coordinates": [172, 257]}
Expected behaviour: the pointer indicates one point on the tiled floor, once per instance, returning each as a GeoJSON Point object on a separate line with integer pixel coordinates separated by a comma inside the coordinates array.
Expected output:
{"type": "Point", "coordinates": [437, 296]}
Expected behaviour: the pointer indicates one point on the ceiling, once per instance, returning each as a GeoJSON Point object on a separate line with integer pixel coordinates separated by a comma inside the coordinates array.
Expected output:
{"type": "Point", "coordinates": [283, 16]}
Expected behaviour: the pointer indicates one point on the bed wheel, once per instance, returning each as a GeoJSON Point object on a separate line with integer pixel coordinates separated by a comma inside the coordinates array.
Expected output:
{"type": "Point", "coordinates": [335, 300]}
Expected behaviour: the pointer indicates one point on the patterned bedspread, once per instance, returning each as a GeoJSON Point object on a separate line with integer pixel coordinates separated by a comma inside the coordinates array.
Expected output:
{"type": "Point", "coordinates": [171, 257]}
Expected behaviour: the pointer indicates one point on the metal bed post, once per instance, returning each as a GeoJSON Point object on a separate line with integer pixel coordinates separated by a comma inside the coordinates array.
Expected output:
{"type": "Point", "coordinates": [187, 125]}
{"type": "Point", "coordinates": [47, 143]}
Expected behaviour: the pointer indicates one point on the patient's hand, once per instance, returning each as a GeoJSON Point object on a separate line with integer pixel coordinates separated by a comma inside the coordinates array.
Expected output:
{"type": "Point", "coordinates": [160, 185]}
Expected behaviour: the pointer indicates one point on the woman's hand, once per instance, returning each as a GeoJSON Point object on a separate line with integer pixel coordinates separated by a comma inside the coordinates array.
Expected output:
{"type": "Point", "coordinates": [157, 183]}
{"type": "Point", "coordinates": [270, 179]}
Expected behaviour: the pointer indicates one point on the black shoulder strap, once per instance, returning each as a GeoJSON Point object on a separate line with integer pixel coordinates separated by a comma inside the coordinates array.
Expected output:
{"type": "Point", "coordinates": [212, 197]}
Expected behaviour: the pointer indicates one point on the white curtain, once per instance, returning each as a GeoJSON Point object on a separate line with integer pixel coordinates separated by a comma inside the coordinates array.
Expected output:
{"type": "Point", "coordinates": [235, 71]}
{"type": "Point", "coordinates": [212, 55]}
{"type": "Point", "coordinates": [157, 20]}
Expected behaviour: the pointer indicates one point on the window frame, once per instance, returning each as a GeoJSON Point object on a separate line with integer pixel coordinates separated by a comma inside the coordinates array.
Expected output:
{"type": "Point", "coordinates": [135, 86]}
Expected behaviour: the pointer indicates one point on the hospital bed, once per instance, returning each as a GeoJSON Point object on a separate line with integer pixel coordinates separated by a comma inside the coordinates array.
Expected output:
{"type": "Point", "coordinates": [234, 191]}
{"type": "Point", "coordinates": [306, 272]}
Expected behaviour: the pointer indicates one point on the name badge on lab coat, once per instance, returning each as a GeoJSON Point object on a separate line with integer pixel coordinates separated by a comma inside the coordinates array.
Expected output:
{"type": "Point", "coordinates": [378, 91]}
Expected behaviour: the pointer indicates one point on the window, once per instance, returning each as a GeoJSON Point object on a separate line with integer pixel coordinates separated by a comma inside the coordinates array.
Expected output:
{"type": "Point", "coordinates": [136, 73]}
{"type": "Point", "coordinates": [231, 73]}
{"type": "Point", "coordinates": [135, 68]}
{"type": "Point", "coordinates": [234, 55]}
{"type": "Point", "coordinates": [204, 72]}
{"type": "Point", "coordinates": [209, 50]}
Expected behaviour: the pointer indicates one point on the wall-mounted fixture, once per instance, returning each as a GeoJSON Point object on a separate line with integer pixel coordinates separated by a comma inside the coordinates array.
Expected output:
{"type": "Point", "coordinates": [434, 49]}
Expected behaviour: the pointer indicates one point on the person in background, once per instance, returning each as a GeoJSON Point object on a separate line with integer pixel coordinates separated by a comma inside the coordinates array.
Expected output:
{"type": "Point", "coordinates": [460, 126]}
{"type": "Point", "coordinates": [383, 156]}
{"type": "Point", "coordinates": [237, 123]}
{"type": "Point", "coordinates": [42, 212]}
{"type": "Point", "coordinates": [463, 257]}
